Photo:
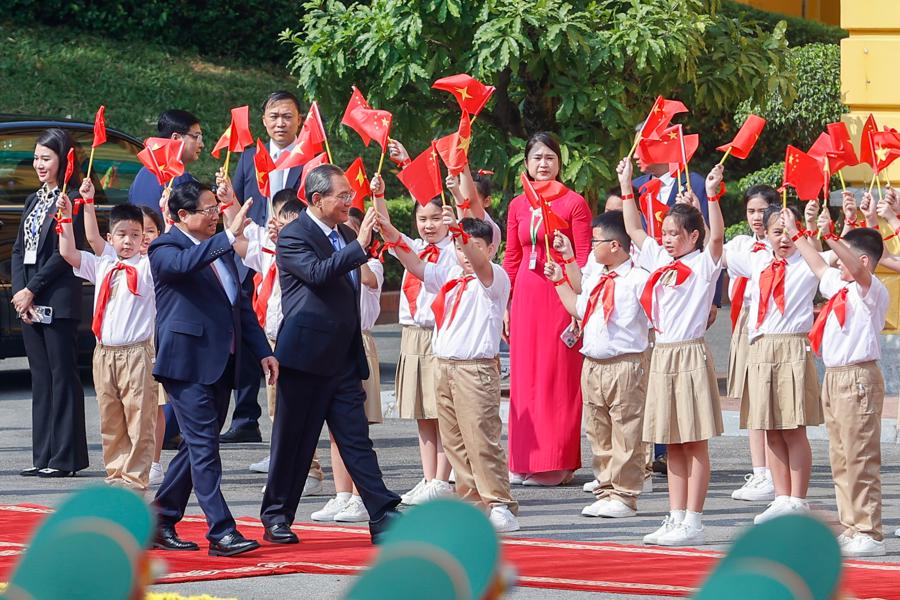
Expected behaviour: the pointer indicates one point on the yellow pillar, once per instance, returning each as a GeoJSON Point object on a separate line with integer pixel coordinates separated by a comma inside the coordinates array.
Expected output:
{"type": "Point", "coordinates": [825, 11]}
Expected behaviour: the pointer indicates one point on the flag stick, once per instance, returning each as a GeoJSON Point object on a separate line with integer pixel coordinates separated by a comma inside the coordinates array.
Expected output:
{"type": "Point", "coordinates": [634, 146]}
{"type": "Point", "coordinates": [678, 179]}
{"type": "Point", "coordinates": [227, 160]}
{"type": "Point", "coordinates": [880, 196]}
{"type": "Point", "coordinates": [687, 172]}
{"type": "Point", "coordinates": [872, 183]}
{"type": "Point", "coordinates": [727, 152]}
{"type": "Point", "coordinates": [328, 150]}
{"type": "Point", "coordinates": [784, 197]}
{"type": "Point", "coordinates": [843, 185]}
{"type": "Point", "coordinates": [90, 164]}
{"type": "Point", "coordinates": [381, 162]}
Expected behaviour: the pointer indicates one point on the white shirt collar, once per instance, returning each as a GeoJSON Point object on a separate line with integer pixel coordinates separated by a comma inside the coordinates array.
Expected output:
{"type": "Point", "coordinates": [190, 237]}
{"type": "Point", "coordinates": [325, 228]}
{"type": "Point", "coordinates": [666, 179]}
{"type": "Point", "coordinates": [275, 150]}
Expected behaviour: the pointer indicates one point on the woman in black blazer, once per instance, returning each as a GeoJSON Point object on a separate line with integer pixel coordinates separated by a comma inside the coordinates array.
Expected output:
{"type": "Point", "coordinates": [42, 278]}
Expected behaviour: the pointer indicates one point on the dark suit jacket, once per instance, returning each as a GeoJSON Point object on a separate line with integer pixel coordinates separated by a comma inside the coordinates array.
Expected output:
{"type": "Point", "coordinates": [245, 186]}
{"type": "Point", "coordinates": [145, 190]}
{"type": "Point", "coordinates": [195, 321]}
{"type": "Point", "coordinates": [320, 333]}
{"type": "Point", "coordinates": [51, 278]}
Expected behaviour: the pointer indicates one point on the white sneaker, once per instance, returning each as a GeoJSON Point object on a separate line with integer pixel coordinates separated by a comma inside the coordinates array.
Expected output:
{"type": "Point", "coordinates": [353, 512]}
{"type": "Point", "coordinates": [519, 479]}
{"type": "Point", "coordinates": [432, 491]}
{"type": "Point", "coordinates": [667, 525]}
{"type": "Point", "coordinates": [590, 486]}
{"type": "Point", "coordinates": [331, 508]}
{"type": "Point", "coordinates": [683, 535]}
{"type": "Point", "coordinates": [757, 488]}
{"type": "Point", "coordinates": [863, 545]}
{"type": "Point", "coordinates": [408, 496]}
{"type": "Point", "coordinates": [312, 486]}
{"type": "Point", "coordinates": [897, 533]}
{"type": "Point", "coordinates": [782, 505]}
{"type": "Point", "coordinates": [503, 520]}
{"type": "Point", "coordinates": [156, 474]}
{"type": "Point", "coordinates": [609, 508]}
{"type": "Point", "coordinates": [648, 485]}
{"type": "Point", "coordinates": [452, 478]}
{"type": "Point", "coordinates": [261, 466]}
{"type": "Point", "coordinates": [844, 539]}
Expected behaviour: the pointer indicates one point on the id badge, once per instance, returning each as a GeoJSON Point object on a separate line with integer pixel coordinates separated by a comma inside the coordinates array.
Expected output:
{"type": "Point", "coordinates": [532, 260]}
{"type": "Point", "coordinates": [30, 257]}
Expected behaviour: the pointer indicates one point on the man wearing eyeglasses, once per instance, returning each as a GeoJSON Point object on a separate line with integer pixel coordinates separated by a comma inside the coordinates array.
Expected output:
{"type": "Point", "coordinates": [323, 361]}
{"type": "Point", "coordinates": [176, 124]}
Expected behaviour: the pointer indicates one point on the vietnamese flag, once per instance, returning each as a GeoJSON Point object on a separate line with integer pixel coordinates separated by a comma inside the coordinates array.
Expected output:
{"type": "Point", "coordinates": [746, 137]}
{"type": "Point", "coordinates": [661, 114]}
{"type": "Point", "coordinates": [70, 166]}
{"type": "Point", "coordinates": [369, 123]}
{"type": "Point", "coordinates": [887, 148]}
{"type": "Point", "coordinates": [470, 93]}
{"type": "Point", "coordinates": [552, 221]}
{"type": "Point", "coordinates": [318, 161]}
{"type": "Point", "coordinates": [356, 175]}
{"type": "Point", "coordinates": [866, 145]}
{"type": "Point", "coordinates": [650, 206]}
{"type": "Point", "coordinates": [802, 172]}
{"type": "Point", "coordinates": [99, 127]}
{"type": "Point", "coordinates": [665, 149]}
{"type": "Point", "coordinates": [422, 176]}
{"type": "Point", "coordinates": [454, 148]}
{"type": "Point", "coordinates": [237, 136]}
{"type": "Point", "coordinates": [309, 143]}
{"type": "Point", "coordinates": [549, 189]}
{"type": "Point", "coordinates": [263, 164]}
{"type": "Point", "coordinates": [162, 157]}
{"type": "Point", "coordinates": [842, 153]}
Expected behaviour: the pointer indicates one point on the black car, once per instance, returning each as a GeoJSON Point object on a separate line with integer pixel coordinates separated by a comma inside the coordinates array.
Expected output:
{"type": "Point", "coordinates": [115, 166]}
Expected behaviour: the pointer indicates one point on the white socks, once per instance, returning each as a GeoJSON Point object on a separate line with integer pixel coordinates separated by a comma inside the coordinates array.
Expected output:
{"type": "Point", "coordinates": [677, 516]}
{"type": "Point", "coordinates": [762, 471]}
{"type": "Point", "coordinates": [343, 496]}
{"type": "Point", "coordinates": [692, 519]}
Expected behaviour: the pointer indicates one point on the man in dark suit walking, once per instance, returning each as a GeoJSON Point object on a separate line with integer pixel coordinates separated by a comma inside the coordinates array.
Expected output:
{"type": "Point", "coordinates": [202, 317]}
{"type": "Point", "coordinates": [320, 347]}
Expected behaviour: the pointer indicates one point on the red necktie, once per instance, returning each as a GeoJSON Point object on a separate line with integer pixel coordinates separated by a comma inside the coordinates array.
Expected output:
{"type": "Point", "coordinates": [262, 290]}
{"type": "Point", "coordinates": [438, 306]}
{"type": "Point", "coordinates": [838, 306]}
{"type": "Point", "coordinates": [106, 290]}
{"type": "Point", "coordinates": [603, 292]}
{"type": "Point", "coordinates": [740, 289]}
{"type": "Point", "coordinates": [682, 272]}
{"type": "Point", "coordinates": [771, 283]}
{"type": "Point", "coordinates": [412, 284]}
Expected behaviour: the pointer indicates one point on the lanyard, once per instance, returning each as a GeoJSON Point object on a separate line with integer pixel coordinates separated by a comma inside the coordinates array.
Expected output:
{"type": "Point", "coordinates": [536, 219]}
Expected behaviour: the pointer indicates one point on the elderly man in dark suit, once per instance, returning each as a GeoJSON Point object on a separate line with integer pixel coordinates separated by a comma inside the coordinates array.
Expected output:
{"type": "Point", "coordinates": [202, 318]}
{"type": "Point", "coordinates": [320, 347]}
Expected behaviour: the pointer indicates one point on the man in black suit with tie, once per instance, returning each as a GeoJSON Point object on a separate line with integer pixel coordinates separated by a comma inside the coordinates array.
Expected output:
{"type": "Point", "coordinates": [202, 316]}
{"type": "Point", "coordinates": [281, 118]}
{"type": "Point", "coordinates": [322, 359]}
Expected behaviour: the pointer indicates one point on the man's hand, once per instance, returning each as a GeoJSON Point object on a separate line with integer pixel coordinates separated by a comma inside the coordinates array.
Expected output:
{"type": "Point", "coordinates": [270, 369]}
{"type": "Point", "coordinates": [240, 221]}
{"type": "Point", "coordinates": [365, 229]}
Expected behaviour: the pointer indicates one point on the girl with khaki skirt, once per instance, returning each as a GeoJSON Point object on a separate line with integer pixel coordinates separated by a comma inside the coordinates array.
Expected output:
{"type": "Point", "coordinates": [682, 409]}
{"type": "Point", "coordinates": [781, 375]}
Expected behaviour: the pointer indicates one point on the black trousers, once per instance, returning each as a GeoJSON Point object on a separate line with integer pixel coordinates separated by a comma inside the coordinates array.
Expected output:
{"type": "Point", "coordinates": [58, 438]}
{"type": "Point", "coordinates": [304, 403]}
{"type": "Point", "coordinates": [247, 411]}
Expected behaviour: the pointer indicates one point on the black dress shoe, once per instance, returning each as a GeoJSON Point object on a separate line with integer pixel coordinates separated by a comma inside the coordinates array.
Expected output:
{"type": "Point", "coordinates": [232, 545]}
{"type": "Point", "coordinates": [29, 472]}
{"type": "Point", "coordinates": [167, 539]}
{"type": "Point", "coordinates": [173, 442]}
{"type": "Point", "coordinates": [280, 534]}
{"type": "Point", "coordinates": [378, 528]}
{"type": "Point", "coordinates": [242, 435]}
{"type": "Point", "coordinates": [54, 473]}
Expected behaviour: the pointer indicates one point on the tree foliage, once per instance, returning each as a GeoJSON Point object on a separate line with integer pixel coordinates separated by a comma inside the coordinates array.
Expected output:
{"type": "Point", "coordinates": [587, 70]}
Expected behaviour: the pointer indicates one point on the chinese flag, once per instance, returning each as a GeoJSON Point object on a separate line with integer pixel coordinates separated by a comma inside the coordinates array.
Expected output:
{"type": "Point", "coordinates": [309, 143]}
{"type": "Point", "coordinates": [665, 149]}
{"type": "Point", "coordinates": [369, 123]}
{"type": "Point", "coordinates": [691, 143]}
{"type": "Point", "coordinates": [70, 166]}
{"type": "Point", "coordinates": [842, 153]}
{"type": "Point", "coordinates": [237, 136]}
{"type": "Point", "coordinates": [661, 114]}
{"type": "Point", "coordinates": [454, 148]}
{"type": "Point", "coordinates": [470, 93]}
{"type": "Point", "coordinates": [552, 221]}
{"type": "Point", "coordinates": [887, 148]}
{"type": "Point", "coordinates": [866, 145]}
{"type": "Point", "coordinates": [264, 165]}
{"type": "Point", "coordinates": [653, 210]}
{"type": "Point", "coordinates": [321, 159]}
{"type": "Point", "coordinates": [356, 175]}
{"type": "Point", "coordinates": [422, 176]}
{"type": "Point", "coordinates": [99, 127]}
{"type": "Point", "coordinates": [746, 137]}
{"type": "Point", "coordinates": [802, 172]}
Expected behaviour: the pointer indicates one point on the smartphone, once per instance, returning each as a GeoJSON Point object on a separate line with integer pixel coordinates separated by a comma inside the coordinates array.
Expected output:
{"type": "Point", "coordinates": [44, 314]}
{"type": "Point", "coordinates": [570, 335]}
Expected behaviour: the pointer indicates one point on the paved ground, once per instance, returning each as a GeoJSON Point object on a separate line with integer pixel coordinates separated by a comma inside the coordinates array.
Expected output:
{"type": "Point", "coordinates": [549, 513]}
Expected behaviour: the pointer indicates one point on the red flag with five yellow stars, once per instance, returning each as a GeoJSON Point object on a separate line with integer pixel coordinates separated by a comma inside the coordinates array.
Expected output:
{"type": "Point", "coordinates": [263, 163]}
{"type": "Point", "coordinates": [653, 210]}
{"type": "Point", "coordinates": [422, 176]}
{"type": "Point", "coordinates": [666, 149]}
{"type": "Point", "coordinates": [309, 143]}
{"type": "Point", "coordinates": [369, 123]}
{"type": "Point", "coordinates": [691, 143]}
{"type": "Point", "coordinates": [746, 137]}
{"type": "Point", "coordinates": [321, 159]}
{"type": "Point", "coordinates": [99, 127]}
{"type": "Point", "coordinates": [661, 114]}
{"type": "Point", "coordinates": [237, 136]}
{"type": "Point", "coordinates": [802, 172]}
{"type": "Point", "coordinates": [470, 93]}
{"type": "Point", "coordinates": [454, 148]}
{"type": "Point", "coordinates": [356, 175]}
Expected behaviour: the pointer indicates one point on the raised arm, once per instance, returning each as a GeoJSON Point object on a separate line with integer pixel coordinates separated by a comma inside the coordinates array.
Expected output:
{"type": "Point", "coordinates": [409, 259]}
{"type": "Point", "coordinates": [91, 228]}
{"type": "Point", "coordinates": [67, 247]}
{"type": "Point", "coordinates": [806, 248]}
{"type": "Point", "coordinates": [567, 295]}
{"type": "Point", "coordinates": [572, 271]}
{"type": "Point", "coordinates": [848, 207]}
{"type": "Point", "coordinates": [630, 211]}
{"type": "Point", "coordinates": [481, 262]}
{"type": "Point", "coordinates": [716, 221]}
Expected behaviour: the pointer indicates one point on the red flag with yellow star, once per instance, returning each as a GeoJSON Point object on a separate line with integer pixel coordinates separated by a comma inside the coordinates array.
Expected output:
{"type": "Point", "coordinates": [842, 153]}
{"type": "Point", "coordinates": [661, 114]}
{"type": "Point", "coordinates": [666, 149]}
{"type": "Point", "coordinates": [369, 123]}
{"type": "Point", "coordinates": [309, 143]}
{"type": "Point", "coordinates": [552, 221]}
{"type": "Point", "coordinates": [887, 148]}
{"type": "Point", "coordinates": [162, 157]}
{"type": "Point", "coordinates": [653, 210]}
{"type": "Point", "coordinates": [866, 145]}
{"type": "Point", "coordinates": [356, 175]}
{"type": "Point", "coordinates": [746, 137]}
{"type": "Point", "coordinates": [237, 136]}
{"type": "Point", "coordinates": [470, 93]}
{"type": "Point", "coordinates": [691, 143]}
{"type": "Point", "coordinates": [454, 148]}
{"type": "Point", "coordinates": [802, 172]}
{"type": "Point", "coordinates": [99, 127]}
{"type": "Point", "coordinates": [321, 159]}
{"type": "Point", "coordinates": [263, 163]}
{"type": "Point", "coordinates": [422, 176]}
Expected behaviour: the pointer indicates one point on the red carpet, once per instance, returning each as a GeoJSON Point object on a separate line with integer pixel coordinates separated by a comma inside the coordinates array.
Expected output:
{"type": "Point", "coordinates": [540, 563]}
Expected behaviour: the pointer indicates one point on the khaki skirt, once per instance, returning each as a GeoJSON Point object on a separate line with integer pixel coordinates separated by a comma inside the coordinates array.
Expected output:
{"type": "Point", "coordinates": [737, 364]}
{"type": "Point", "coordinates": [416, 376]}
{"type": "Point", "coordinates": [372, 385]}
{"type": "Point", "coordinates": [682, 394]}
{"type": "Point", "coordinates": [783, 383]}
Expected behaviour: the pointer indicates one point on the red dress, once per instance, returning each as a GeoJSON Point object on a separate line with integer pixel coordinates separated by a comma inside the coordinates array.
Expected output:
{"type": "Point", "coordinates": [545, 375]}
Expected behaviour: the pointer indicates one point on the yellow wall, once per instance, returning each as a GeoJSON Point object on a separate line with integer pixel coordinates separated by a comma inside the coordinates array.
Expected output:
{"type": "Point", "coordinates": [826, 11]}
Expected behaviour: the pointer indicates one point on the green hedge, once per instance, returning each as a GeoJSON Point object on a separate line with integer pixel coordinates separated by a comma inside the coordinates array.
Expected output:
{"type": "Point", "coordinates": [799, 31]}
{"type": "Point", "coordinates": [248, 28]}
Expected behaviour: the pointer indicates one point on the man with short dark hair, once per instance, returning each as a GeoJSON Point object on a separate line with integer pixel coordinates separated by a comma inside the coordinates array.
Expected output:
{"type": "Point", "coordinates": [320, 346]}
{"type": "Point", "coordinates": [175, 124]}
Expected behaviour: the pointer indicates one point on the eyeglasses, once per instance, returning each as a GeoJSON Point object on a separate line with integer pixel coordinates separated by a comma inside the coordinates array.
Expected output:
{"type": "Point", "coordinates": [595, 242]}
{"type": "Point", "coordinates": [345, 198]}
{"type": "Point", "coordinates": [197, 136]}
{"type": "Point", "coordinates": [207, 212]}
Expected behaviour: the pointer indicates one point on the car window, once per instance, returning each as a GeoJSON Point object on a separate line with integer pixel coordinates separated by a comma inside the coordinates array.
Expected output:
{"type": "Point", "coordinates": [114, 169]}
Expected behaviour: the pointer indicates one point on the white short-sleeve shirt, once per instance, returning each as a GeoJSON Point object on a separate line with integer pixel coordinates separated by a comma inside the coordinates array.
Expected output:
{"type": "Point", "coordinates": [370, 298]}
{"type": "Point", "coordinates": [447, 259]}
{"type": "Point", "coordinates": [626, 330]}
{"type": "Point", "coordinates": [742, 244]}
{"type": "Point", "coordinates": [858, 341]}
